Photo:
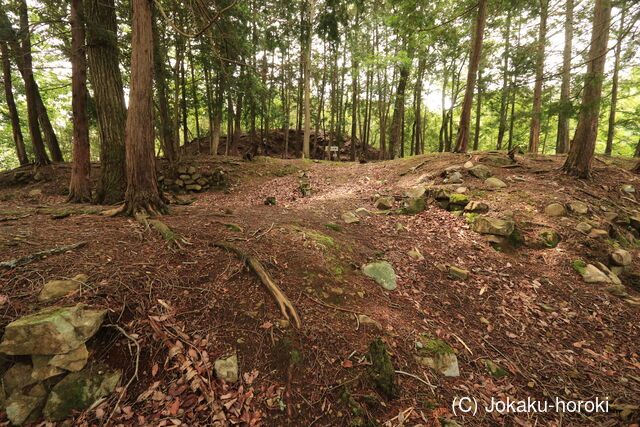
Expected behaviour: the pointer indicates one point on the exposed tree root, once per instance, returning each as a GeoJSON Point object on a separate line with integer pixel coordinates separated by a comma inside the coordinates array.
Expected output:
{"type": "Point", "coordinates": [286, 307]}
{"type": "Point", "coordinates": [113, 212]}
{"type": "Point", "coordinates": [173, 239]}
{"type": "Point", "coordinates": [27, 259]}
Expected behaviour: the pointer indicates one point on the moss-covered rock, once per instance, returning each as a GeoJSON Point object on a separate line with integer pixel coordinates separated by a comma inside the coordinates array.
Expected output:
{"type": "Point", "coordinates": [381, 371]}
{"type": "Point", "coordinates": [333, 226]}
{"type": "Point", "coordinates": [494, 369]}
{"type": "Point", "coordinates": [461, 200]}
{"type": "Point", "coordinates": [550, 238]}
{"type": "Point", "coordinates": [437, 355]}
{"type": "Point", "coordinates": [414, 206]}
{"type": "Point", "coordinates": [579, 265]}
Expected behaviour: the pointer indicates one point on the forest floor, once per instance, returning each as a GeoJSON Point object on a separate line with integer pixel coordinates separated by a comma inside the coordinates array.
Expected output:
{"type": "Point", "coordinates": [525, 309]}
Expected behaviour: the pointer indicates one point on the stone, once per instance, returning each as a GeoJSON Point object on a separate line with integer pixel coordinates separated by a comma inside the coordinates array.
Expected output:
{"type": "Point", "coordinates": [381, 371]}
{"type": "Point", "coordinates": [458, 201]}
{"type": "Point", "coordinates": [35, 192]}
{"type": "Point", "coordinates": [620, 257]}
{"type": "Point", "coordinates": [494, 183]}
{"type": "Point", "coordinates": [480, 171]}
{"type": "Point", "coordinates": [58, 288]}
{"type": "Point", "coordinates": [415, 255]}
{"type": "Point", "coordinates": [17, 377]}
{"type": "Point", "coordinates": [384, 203]}
{"type": "Point", "coordinates": [461, 190]}
{"type": "Point", "coordinates": [55, 330]}
{"type": "Point", "coordinates": [454, 178]}
{"type": "Point", "coordinates": [476, 207]}
{"type": "Point", "coordinates": [193, 187]}
{"type": "Point", "coordinates": [415, 192]}
{"type": "Point", "coordinates": [583, 227]}
{"type": "Point", "coordinates": [629, 189]}
{"type": "Point", "coordinates": [598, 234]}
{"type": "Point", "coordinates": [550, 238]}
{"type": "Point", "coordinates": [179, 183]}
{"type": "Point", "coordinates": [591, 274]}
{"type": "Point", "coordinates": [612, 277]}
{"type": "Point", "coordinates": [494, 369]}
{"type": "Point", "coordinates": [555, 209]}
{"type": "Point", "coordinates": [41, 368]}
{"type": "Point", "coordinates": [458, 273]}
{"type": "Point", "coordinates": [366, 320]}
{"type": "Point", "coordinates": [610, 216]}
{"type": "Point", "coordinates": [350, 218]}
{"type": "Point", "coordinates": [77, 391]}
{"type": "Point", "coordinates": [617, 290]}
{"type": "Point", "coordinates": [227, 368]}
{"type": "Point", "coordinates": [578, 208]}
{"type": "Point", "coordinates": [468, 165]}
{"type": "Point", "coordinates": [73, 361]}
{"type": "Point", "coordinates": [202, 181]}
{"type": "Point", "coordinates": [363, 212]}
{"type": "Point", "coordinates": [38, 176]}
{"type": "Point", "coordinates": [414, 206]}
{"type": "Point", "coordinates": [496, 159]}
{"type": "Point", "coordinates": [270, 201]}
{"type": "Point", "coordinates": [185, 177]}
{"type": "Point", "coordinates": [191, 170]}
{"type": "Point", "coordinates": [182, 169]}
{"type": "Point", "coordinates": [382, 272]}
{"type": "Point", "coordinates": [442, 194]}
{"type": "Point", "coordinates": [26, 408]}
{"type": "Point", "coordinates": [634, 220]}
{"type": "Point", "coordinates": [487, 225]}
{"type": "Point", "coordinates": [400, 228]}
{"type": "Point", "coordinates": [437, 355]}
{"type": "Point", "coordinates": [196, 176]}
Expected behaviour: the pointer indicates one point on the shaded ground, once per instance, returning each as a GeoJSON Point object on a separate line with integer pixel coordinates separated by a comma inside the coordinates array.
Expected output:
{"type": "Point", "coordinates": [526, 310]}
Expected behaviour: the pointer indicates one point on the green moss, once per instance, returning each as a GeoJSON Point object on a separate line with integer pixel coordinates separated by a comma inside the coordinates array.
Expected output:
{"type": "Point", "coordinates": [579, 265]}
{"type": "Point", "coordinates": [233, 227]}
{"type": "Point", "coordinates": [469, 217]}
{"type": "Point", "coordinates": [320, 238]}
{"type": "Point", "coordinates": [381, 371]}
{"type": "Point", "coordinates": [429, 345]}
{"type": "Point", "coordinates": [333, 226]}
{"type": "Point", "coordinates": [515, 238]}
{"type": "Point", "coordinates": [550, 238]}
{"type": "Point", "coordinates": [270, 201]}
{"type": "Point", "coordinates": [459, 199]}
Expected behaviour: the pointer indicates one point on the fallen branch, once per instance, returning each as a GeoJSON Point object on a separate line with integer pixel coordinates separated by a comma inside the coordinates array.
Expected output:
{"type": "Point", "coordinates": [173, 239]}
{"type": "Point", "coordinates": [286, 307]}
{"type": "Point", "coordinates": [27, 259]}
{"type": "Point", "coordinates": [14, 218]}
{"type": "Point", "coordinates": [416, 377]}
{"type": "Point", "coordinates": [113, 212]}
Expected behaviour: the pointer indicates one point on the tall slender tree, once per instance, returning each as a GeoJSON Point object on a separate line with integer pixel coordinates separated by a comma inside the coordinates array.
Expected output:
{"type": "Point", "coordinates": [584, 142]}
{"type": "Point", "coordinates": [18, 140]}
{"type": "Point", "coordinates": [613, 105]}
{"type": "Point", "coordinates": [534, 130]}
{"type": "Point", "coordinates": [562, 142]}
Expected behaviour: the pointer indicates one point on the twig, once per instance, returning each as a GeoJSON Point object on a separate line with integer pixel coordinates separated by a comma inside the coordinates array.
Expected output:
{"type": "Point", "coordinates": [417, 378]}
{"type": "Point", "coordinates": [27, 259]}
{"type": "Point", "coordinates": [135, 372]}
{"type": "Point", "coordinates": [14, 218]}
{"type": "Point", "coordinates": [331, 306]}
{"type": "Point", "coordinates": [463, 343]}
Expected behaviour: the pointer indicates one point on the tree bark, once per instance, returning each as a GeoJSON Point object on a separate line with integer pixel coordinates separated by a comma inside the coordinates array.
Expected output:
{"type": "Point", "coordinates": [106, 80]}
{"type": "Point", "coordinates": [562, 141]}
{"type": "Point", "coordinates": [581, 152]}
{"type": "Point", "coordinates": [462, 140]}
{"type": "Point", "coordinates": [476, 133]}
{"type": "Point", "coordinates": [18, 139]}
{"type": "Point", "coordinates": [159, 71]}
{"type": "Point", "coordinates": [307, 80]}
{"type": "Point", "coordinates": [504, 93]}
{"type": "Point", "coordinates": [614, 85]}
{"type": "Point", "coordinates": [142, 194]}
{"type": "Point", "coordinates": [395, 142]}
{"type": "Point", "coordinates": [80, 186]}
{"type": "Point", "coordinates": [534, 131]}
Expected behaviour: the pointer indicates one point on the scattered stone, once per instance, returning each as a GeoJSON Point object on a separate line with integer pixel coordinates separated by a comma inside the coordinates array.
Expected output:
{"type": "Point", "coordinates": [550, 238]}
{"type": "Point", "coordinates": [400, 228]}
{"type": "Point", "coordinates": [384, 203]}
{"type": "Point", "coordinates": [382, 272]}
{"type": "Point", "coordinates": [494, 369]}
{"type": "Point", "coordinates": [270, 201]}
{"type": "Point", "coordinates": [621, 257]}
{"type": "Point", "coordinates": [415, 255]}
{"type": "Point", "coordinates": [583, 227]}
{"type": "Point", "coordinates": [363, 212]}
{"type": "Point", "coordinates": [461, 190]}
{"type": "Point", "coordinates": [458, 273]}
{"type": "Point", "coordinates": [480, 171]}
{"type": "Point", "coordinates": [578, 208]}
{"type": "Point", "coordinates": [598, 234]}
{"type": "Point", "coordinates": [457, 202]}
{"type": "Point", "coordinates": [612, 277]}
{"type": "Point", "coordinates": [333, 226]}
{"type": "Point", "coordinates": [55, 330]}
{"type": "Point", "coordinates": [454, 178]}
{"type": "Point", "coordinates": [58, 288]}
{"type": "Point", "coordinates": [227, 368]}
{"type": "Point", "coordinates": [366, 320]}
{"type": "Point", "coordinates": [487, 225]}
{"type": "Point", "coordinates": [381, 371]}
{"type": "Point", "coordinates": [78, 391]}
{"type": "Point", "coordinates": [591, 274]}
{"type": "Point", "coordinates": [547, 308]}
{"type": "Point", "coordinates": [555, 209]}
{"type": "Point", "coordinates": [26, 408]}
{"type": "Point", "coordinates": [629, 189]}
{"type": "Point", "coordinates": [442, 194]}
{"type": "Point", "coordinates": [476, 207]}
{"type": "Point", "coordinates": [182, 169]}
{"type": "Point", "coordinates": [350, 218]}
{"type": "Point", "coordinates": [496, 159]}
{"type": "Point", "coordinates": [414, 206]}
{"type": "Point", "coordinates": [617, 290]}
{"type": "Point", "coordinates": [415, 192]}
{"type": "Point", "coordinates": [610, 216]}
{"type": "Point", "coordinates": [437, 355]}
{"type": "Point", "coordinates": [35, 192]}
{"type": "Point", "coordinates": [468, 165]}
{"type": "Point", "coordinates": [494, 183]}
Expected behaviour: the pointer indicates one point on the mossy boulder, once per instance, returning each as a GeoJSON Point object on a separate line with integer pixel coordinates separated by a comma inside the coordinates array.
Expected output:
{"type": "Point", "coordinates": [414, 205]}
{"type": "Point", "coordinates": [382, 272]}
{"type": "Point", "coordinates": [549, 238]}
{"type": "Point", "coordinates": [55, 330]}
{"type": "Point", "coordinates": [579, 265]}
{"type": "Point", "coordinates": [487, 225]}
{"type": "Point", "coordinates": [25, 408]}
{"type": "Point", "coordinates": [458, 201]}
{"type": "Point", "coordinates": [381, 371]}
{"type": "Point", "coordinates": [77, 391]}
{"type": "Point", "coordinates": [555, 209]}
{"type": "Point", "coordinates": [58, 288]}
{"type": "Point", "coordinates": [384, 203]}
{"type": "Point", "coordinates": [476, 207]}
{"type": "Point", "coordinates": [480, 171]}
{"type": "Point", "coordinates": [437, 355]}
{"type": "Point", "coordinates": [350, 218]}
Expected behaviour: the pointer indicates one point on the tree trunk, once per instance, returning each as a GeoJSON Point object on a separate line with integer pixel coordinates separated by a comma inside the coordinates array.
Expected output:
{"type": "Point", "coordinates": [581, 152]}
{"type": "Point", "coordinates": [307, 80]}
{"type": "Point", "coordinates": [534, 132]}
{"type": "Point", "coordinates": [80, 186]}
{"type": "Point", "coordinates": [504, 93]}
{"type": "Point", "coordinates": [395, 143]}
{"type": "Point", "coordinates": [106, 80]}
{"type": "Point", "coordinates": [18, 139]}
{"type": "Point", "coordinates": [614, 85]}
{"type": "Point", "coordinates": [476, 133]}
{"type": "Point", "coordinates": [354, 109]}
{"type": "Point", "coordinates": [142, 185]}
{"type": "Point", "coordinates": [562, 141]}
{"type": "Point", "coordinates": [43, 118]}
{"type": "Point", "coordinates": [462, 140]}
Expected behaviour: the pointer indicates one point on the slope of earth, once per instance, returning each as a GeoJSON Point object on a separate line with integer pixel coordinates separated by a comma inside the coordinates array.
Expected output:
{"type": "Point", "coordinates": [523, 308]}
